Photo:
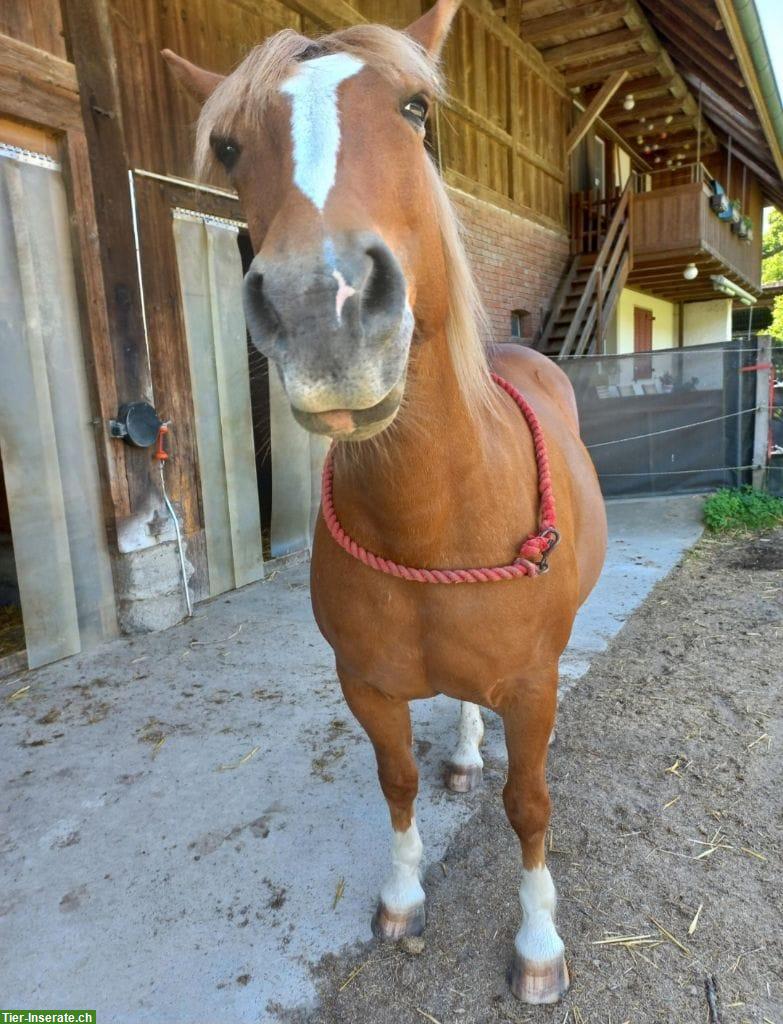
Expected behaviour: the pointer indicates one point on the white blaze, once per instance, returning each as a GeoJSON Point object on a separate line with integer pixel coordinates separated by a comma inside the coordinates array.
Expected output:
{"type": "Point", "coordinates": [315, 121]}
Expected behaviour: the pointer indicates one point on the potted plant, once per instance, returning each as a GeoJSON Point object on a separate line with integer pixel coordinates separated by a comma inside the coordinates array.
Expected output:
{"type": "Point", "coordinates": [748, 223]}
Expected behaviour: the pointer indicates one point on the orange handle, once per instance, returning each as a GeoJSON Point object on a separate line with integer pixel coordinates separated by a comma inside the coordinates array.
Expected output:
{"type": "Point", "coordinates": [160, 452]}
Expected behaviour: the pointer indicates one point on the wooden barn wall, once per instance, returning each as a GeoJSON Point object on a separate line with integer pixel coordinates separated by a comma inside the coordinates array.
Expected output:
{"type": "Point", "coordinates": [502, 130]}
{"type": "Point", "coordinates": [38, 23]}
{"type": "Point", "coordinates": [501, 133]}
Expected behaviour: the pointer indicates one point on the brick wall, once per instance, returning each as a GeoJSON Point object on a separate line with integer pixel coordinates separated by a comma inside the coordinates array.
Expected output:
{"type": "Point", "coordinates": [518, 263]}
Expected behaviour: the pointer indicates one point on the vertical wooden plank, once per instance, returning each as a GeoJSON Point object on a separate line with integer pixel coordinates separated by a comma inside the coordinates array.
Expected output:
{"type": "Point", "coordinates": [513, 126]}
{"type": "Point", "coordinates": [46, 214]}
{"type": "Point", "coordinates": [481, 100]}
{"type": "Point", "coordinates": [191, 250]}
{"type": "Point", "coordinates": [292, 484]}
{"type": "Point", "coordinates": [27, 441]}
{"type": "Point", "coordinates": [236, 419]}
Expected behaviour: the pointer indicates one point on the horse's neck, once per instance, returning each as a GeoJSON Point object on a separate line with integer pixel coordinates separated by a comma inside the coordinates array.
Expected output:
{"type": "Point", "coordinates": [440, 484]}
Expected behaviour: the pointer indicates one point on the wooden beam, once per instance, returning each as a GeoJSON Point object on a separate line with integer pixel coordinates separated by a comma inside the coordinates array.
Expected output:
{"type": "Point", "coordinates": [649, 86]}
{"type": "Point", "coordinates": [697, 49]}
{"type": "Point", "coordinates": [590, 15]}
{"type": "Point", "coordinates": [651, 43]}
{"type": "Point", "coordinates": [650, 110]}
{"type": "Point", "coordinates": [37, 86]}
{"type": "Point", "coordinates": [98, 352]}
{"type": "Point", "coordinates": [90, 35]}
{"type": "Point", "coordinates": [691, 13]}
{"type": "Point", "coordinates": [591, 47]}
{"type": "Point", "coordinates": [597, 104]}
{"type": "Point", "coordinates": [596, 71]}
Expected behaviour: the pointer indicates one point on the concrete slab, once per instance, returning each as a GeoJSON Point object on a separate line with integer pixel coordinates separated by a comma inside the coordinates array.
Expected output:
{"type": "Point", "coordinates": [182, 810]}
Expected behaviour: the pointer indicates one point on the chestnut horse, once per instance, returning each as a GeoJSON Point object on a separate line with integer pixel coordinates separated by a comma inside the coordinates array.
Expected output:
{"type": "Point", "coordinates": [360, 294]}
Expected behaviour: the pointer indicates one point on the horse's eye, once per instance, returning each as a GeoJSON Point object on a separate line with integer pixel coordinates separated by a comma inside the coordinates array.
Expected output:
{"type": "Point", "coordinates": [227, 151]}
{"type": "Point", "coordinates": [416, 110]}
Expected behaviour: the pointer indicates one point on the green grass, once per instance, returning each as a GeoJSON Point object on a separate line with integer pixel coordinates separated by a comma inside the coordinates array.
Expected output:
{"type": "Point", "coordinates": [742, 509]}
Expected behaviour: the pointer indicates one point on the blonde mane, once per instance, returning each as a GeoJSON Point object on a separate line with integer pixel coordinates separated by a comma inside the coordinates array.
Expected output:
{"type": "Point", "coordinates": [244, 95]}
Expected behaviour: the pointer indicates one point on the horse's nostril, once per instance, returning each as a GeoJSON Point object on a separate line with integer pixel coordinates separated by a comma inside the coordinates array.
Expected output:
{"type": "Point", "coordinates": [254, 281]}
{"type": "Point", "coordinates": [384, 293]}
{"type": "Point", "coordinates": [262, 318]}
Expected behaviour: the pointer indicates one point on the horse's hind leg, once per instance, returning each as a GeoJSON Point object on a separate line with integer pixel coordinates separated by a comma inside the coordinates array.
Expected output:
{"type": "Point", "coordinates": [465, 766]}
{"type": "Point", "coordinates": [539, 973]}
{"type": "Point", "coordinates": [388, 724]}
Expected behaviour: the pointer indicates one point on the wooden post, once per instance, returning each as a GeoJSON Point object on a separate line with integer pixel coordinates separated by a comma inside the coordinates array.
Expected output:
{"type": "Point", "coordinates": [761, 419]}
{"type": "Point", "coordinates": [599, 312]}
{"type": "Point", "coordinates": [88, 29]}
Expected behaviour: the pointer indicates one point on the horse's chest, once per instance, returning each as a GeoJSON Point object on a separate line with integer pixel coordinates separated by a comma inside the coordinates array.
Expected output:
{"type": "Point", "coordinates": [414, 639]}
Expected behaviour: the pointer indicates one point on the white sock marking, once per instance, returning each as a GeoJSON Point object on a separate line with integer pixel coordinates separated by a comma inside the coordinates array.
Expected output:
{"type": "Point", "coordinates": [402, 890]}
{"type": "Point", "coordinates": [537, 939]}
{"type": "Point", "coordinates": [471, 733]}
{"type": "Point", "coordinates": [344, 291]}
{"type": "Point", "coordinates": [315, 121]}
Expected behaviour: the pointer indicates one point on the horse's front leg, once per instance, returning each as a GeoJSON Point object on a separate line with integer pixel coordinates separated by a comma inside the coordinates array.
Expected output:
{"type": "Point", "coordinates": [539, 973]}
{"type": "Point", "coordinates": [387, 722]}
{"type": "Point", "coordinates": [466, 765]}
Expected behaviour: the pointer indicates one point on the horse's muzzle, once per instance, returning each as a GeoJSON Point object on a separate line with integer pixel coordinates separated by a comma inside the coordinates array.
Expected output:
{"type": "Point", "coordinates": [337, 324]}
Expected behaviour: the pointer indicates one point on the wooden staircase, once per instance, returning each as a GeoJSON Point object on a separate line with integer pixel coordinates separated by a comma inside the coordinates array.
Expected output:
{"type": "Point", "coordinates": [600, 262]}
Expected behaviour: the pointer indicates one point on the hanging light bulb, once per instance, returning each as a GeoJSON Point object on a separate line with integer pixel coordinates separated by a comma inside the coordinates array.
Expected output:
{"type": "Point", "coordinates": [669, 118]}
{"type": "Point", "coordinates": [657, 160]}
{"type": "Point", "coordinates": [629, 102]}
{"type": "Point", "coordinates": [639, 140]}
{"type": "Point", "coordinates": [691, 272]}
{"type": "Point", "coordinates": [650, 126]}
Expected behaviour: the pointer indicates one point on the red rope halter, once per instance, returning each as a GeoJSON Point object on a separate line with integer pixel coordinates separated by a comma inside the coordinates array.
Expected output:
{"type": "Point", "coordinates": [536, 546]}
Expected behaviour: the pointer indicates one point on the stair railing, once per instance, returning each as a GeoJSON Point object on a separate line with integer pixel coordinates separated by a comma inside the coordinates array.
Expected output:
{"type": "Point", "coordinates": [608, 274]}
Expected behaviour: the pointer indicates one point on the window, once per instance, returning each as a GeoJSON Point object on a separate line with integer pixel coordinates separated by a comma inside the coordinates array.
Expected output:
{"type": "Point", "coordinates": [520, 324]}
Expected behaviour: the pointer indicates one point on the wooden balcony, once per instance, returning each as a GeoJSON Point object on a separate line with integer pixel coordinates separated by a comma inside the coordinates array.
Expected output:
{"type": "Point", "coordinates": [673, 226]}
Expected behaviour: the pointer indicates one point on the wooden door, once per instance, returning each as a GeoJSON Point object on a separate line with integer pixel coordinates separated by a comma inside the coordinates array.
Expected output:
{"type": "Point", "coordinates": [642, 342]}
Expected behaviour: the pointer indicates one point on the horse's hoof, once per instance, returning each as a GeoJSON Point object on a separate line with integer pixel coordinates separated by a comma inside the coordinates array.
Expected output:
{"type": "Point", "coordinates": [539, 982]}
{"type": "Point", "coordinates": [463, 778]}
{"type": "Point", "coordinates": [390, 926]}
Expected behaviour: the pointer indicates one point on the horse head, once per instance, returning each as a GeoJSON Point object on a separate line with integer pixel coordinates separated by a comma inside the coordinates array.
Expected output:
{"type": "Point", "coordinates": [323, 141]}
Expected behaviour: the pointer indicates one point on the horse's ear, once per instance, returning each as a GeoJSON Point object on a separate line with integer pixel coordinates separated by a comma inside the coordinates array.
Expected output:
{"type": "Point", "coordinates": [198, 82]}
{"type": "Point", "coordinates": [432, 28]}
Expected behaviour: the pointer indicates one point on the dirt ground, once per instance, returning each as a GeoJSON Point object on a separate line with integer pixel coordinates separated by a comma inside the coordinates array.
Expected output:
{"type": "Point", "coordinates": [666, 780]}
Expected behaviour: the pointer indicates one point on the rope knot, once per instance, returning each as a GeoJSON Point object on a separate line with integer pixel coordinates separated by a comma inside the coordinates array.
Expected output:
{"type": "Point", "coordinates": [532, 558]}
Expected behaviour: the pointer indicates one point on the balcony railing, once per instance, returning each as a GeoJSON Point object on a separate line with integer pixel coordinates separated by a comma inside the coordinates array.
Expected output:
{"type": "Point", "coordinates": [672, 223]}
{"type": "Point", "coordinates": [672, 214]}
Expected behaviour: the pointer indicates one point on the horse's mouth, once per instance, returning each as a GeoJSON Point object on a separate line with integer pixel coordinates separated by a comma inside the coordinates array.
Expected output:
{"type": "Point", "coordinates": [353, 424]}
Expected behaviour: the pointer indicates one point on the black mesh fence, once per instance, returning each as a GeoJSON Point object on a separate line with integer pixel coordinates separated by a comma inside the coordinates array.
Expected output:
{"type": "Point", "coordinates": [775, 471]}
{"type": "Point", "coordinates": [671, 421]}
